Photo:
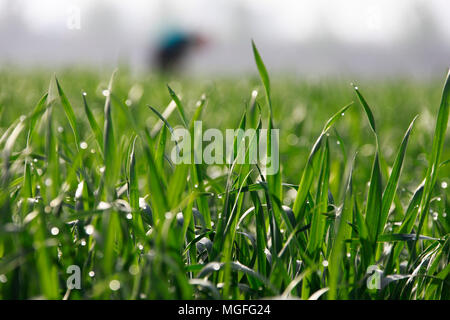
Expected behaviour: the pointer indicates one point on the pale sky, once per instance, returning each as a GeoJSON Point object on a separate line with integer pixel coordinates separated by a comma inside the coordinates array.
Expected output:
{"type": "Point", "coordinates": [135, 23]}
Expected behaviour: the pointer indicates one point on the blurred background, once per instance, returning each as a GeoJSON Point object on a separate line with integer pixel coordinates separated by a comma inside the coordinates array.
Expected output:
{"type": "Point", "coordinates": [307, 37]}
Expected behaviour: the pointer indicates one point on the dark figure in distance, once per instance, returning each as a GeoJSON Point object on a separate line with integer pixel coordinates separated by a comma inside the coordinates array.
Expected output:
{"type": "Point", "coordinates": [174, 48]}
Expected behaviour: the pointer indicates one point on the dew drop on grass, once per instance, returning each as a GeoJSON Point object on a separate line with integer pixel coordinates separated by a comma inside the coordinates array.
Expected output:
{"type": "Point", "coordinates": [103, 205]}
{"type": "Point", "coordinates": [101, 169]}
{"type": "Point", "coordinates": [114, 285]}
{"type": "Point", "coordinates": [54, 203]}
{"type": "Point", "coordinates": [83, 145]}
{"type": "Point", "coordinates": [89, 229]}
{"type": "Point", "coordinates": [444, 185]}
{"type": "Point", "coordinates": [84, 93]}
{"type": "Point", "coordinates": [83, 242]}
{"type": "Point", "coordinates": [3, 278]}
{"type": "Point", "coordinates": [168, 215]}
{"type": "Point", "coordinates": [325, 263]}
{"type": "Point", "coordinates": [216, 266]}
{"type": "Point", "coordinates": [60, 129]}
{"type": "Point", "coordinates": [435, 216]}
{"type": "Point", "coordinates": [91, 274]}
{"type": "Point", "coordinates": [133, 270]}
{"type": "Point", "coordinates": [129, 216]}
{"type": "Point", "coordinates": [105, 93]}
{"type": "Point", "coordinates": [54, 231]}
{"type": "Point", "coordinates": [48, 182]}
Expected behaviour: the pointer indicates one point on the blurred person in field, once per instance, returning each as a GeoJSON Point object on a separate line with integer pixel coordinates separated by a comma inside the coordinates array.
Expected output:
{"type": "Point", "coordinates": [173, 49]}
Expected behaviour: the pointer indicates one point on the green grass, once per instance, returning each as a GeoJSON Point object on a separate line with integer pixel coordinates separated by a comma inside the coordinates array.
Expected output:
{"type": "Point", "coordinates": [85, 181]}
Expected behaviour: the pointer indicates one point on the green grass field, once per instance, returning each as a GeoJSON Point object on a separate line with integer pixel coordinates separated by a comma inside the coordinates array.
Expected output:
{"type": "Point", "coordinates": [86, 181]}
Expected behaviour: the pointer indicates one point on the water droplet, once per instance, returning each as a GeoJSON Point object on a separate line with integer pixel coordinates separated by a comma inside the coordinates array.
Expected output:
{"type": "Point", "coordinates": [435, 216]}
{"type": "Point", "coordinates": [83, 145]}
{"type": "Point", "coordinates": [35, 160]}
{"type": "Point", "coordinates": [140, 246]}
{"type": "Point", "coordinates": [133, 270]}
{"type": "Point", "coordinates": [216, 266]}
{"type": "Point", "coordinates": [101, 169]}
{"type": "Point", "coordinates": [168, 215]}
{"type": "Point", "coordinates": [114, 285]}
{"type": "Point", "coordinates": [54, 203]}
{"type": "Point", "coordinates": [92, 150]}
{"type": "Point", "coordinates": [129, 216]}
{"type": "Point", "coordinates": [444, 185]}
{"type": "Point", "coordinates": [89, 229]}
{"type": "Point", "coordinates": [196, 186]}
{"type": "Point", "coordinates": [338, 142]}
{"type": "Point", "coordinates": [48, 182]}
{"type": "Point", "coordinates": [342, 114]}
{"type": "Point", "coordinates": [325, 263]}
{"type": "Point", "coordinates": [356, 88]}
{"type": "Point", "coordinates": [219, 196]}
{"type": "Point", "coordinates": [91, 274]}
{"type": "Point", "coordinates": [105, 93]}
{"type": "Point", "coordinates": [128, 102]}
{"type": "Point", "coordinates": [54, 231]}
{"type": "Point", "coordinates": [103, 205]}
{"type": "Point", "coordinates": [438, 199]}
{"type": "Point", "coordinates": [83, 242]}
{"type": "Point", "coordinates": [22, 118]}
{"type": "Point", "coordinates": [444, 215]}
{"type": "Point", "coordinates": [84, 93]}
{"type": "Point", "coordinates": [3, 278]}
{"type": "Point", "coordinates": [60, 129]}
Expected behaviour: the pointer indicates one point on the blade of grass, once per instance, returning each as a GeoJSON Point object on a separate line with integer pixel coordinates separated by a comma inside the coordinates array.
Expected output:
{"type": "Point", "coordinates": [69, 113]}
